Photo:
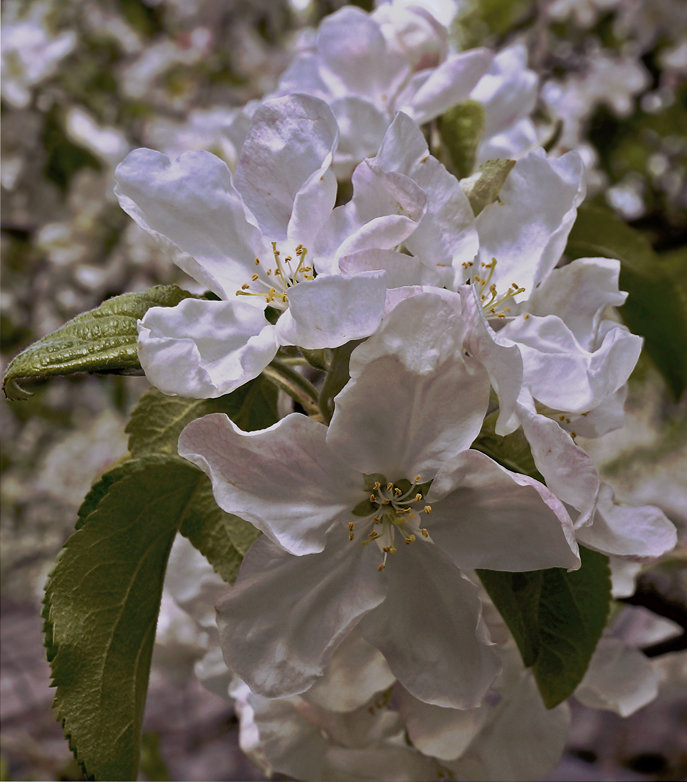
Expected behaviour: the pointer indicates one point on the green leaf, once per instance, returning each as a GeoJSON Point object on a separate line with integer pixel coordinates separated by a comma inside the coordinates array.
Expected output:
{"type": "Point", "coordinates": [461, 129]}
{"type": "Point", "coordinates": [221, 537]}
{"type": "Point", "coordinates": [336, 378]}
{"type": "Point", "coordinates": [512, 451]}
{"type": "Point", "coordinates": [483, 187]}
{"type": "Point", "coordinates": [157, 420]}
{"type": "Point", "coordinates": [101, 340]}
{"type": "Point", "coordinates": [556, 619]}
{"type": "Point", "coordinates": [654, 308]}
{"type": "Point", "coordinates": [101, 607]}
{"type": "Point", "coordinates": [103, 596]}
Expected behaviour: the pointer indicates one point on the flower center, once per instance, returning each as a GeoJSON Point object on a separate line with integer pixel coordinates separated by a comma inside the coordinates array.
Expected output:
{"type": "Point", "coordinates": [273, 283]}
{"type": "Point", "coordinates": [493, 303]}
{"type": "Point", "coordinates": [392, 511]}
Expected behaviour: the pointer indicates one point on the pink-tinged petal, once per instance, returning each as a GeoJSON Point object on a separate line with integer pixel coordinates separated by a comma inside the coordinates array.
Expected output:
{"type": "Point", "coordinates": [508, 90]}
{"type": "Point", "coordinates": [277, 737]}
{"type": "Point", "coordinates": [522, 740]}
{"type": "Point", "coordinates": [501, 359]}
{"type": "Point", "coordinates": [331, 310]}
{"type": "Point", "coordinates": [400, 423]}
{"type": "Point", "coordinates": [485, 516]}
{"type": "Point", "coordinates": [420, 36]}
{"type": "Point", "coordinates": [627, 531]}
{"type": "Point", "coordinates": [284, 617]}
{"type": "Point", "coordinates": [409, 331]}
{"type": "Point", "coordinates": [354, 58]}
{"type": "Point", "coordinates": [361, 129]}
{"type": "Point", "coordinates": [618, 679]}
{"type": "Point", "coordinates": [440, 732]}
{"type": "Point", "coordinates": [193, 203]}
{"type": "Point", "coordinates": [512, 144]}
{"type": "Point", "coordinates": [385, 209]}
{"type": "Point", "coordinates": [312, 206]}
{"type": "Point", "coordinates": [401, 270]}
{"type": "Point", "coordinates": [429, 628]}
{"type": "Point", "coordinates": [447, 233]}
{"type": "Point", "coordinates": [568, 470]}
{"type": "Point", "coordinates": [283, 480]}
{"type": "Point", "coordinates": [578, 294]}
{"type": "Point", "coordinates": [303, 76]}
{"type": "Point", "coordinates": [527, 227]}
{"type": "Point", "coordinates": [560, 373]}
{"type": "Point", "coordinates": [203, 349]}
{"type": "Point", "coordinates": [389, 761]}
{"type": "Point", "coordinates": [290, 145]}
{"type": "Point", "coordinates": [431, 92]}
{"type": "Point", "coordinates": [355, 673]}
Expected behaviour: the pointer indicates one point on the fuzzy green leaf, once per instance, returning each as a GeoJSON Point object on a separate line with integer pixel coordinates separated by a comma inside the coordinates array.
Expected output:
{"type": "Point", "coordinates": [483, 187]}
{"type": "Point", "coordinates": [461, 129]}
{"type": "Point", "coordinates": [654, 308]}
{"type": "Point", "coordinates": [101, 340]}
{"type": "Point", "coordinates": [556, 619]}
{"type": "Point", "coordinates": [103, 597]}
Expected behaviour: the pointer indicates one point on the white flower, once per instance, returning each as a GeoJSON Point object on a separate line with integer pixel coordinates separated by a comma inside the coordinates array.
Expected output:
{"type": "Point", "coordinates": [367, 67]}
{"type": "Point", "coordinates": [352, 502]}
{"type": "Point", "coordinates": [249, 240]}
{"type": "Point", "coordinates": [313, 739]}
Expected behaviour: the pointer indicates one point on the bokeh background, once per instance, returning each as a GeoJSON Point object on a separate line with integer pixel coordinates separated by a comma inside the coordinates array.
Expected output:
{"type": "Point", "coordinates": [84, 82]}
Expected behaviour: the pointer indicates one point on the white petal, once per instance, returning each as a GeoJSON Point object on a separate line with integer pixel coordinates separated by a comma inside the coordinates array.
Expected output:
{"type": "Point", "coordinates": [501, 359]}
{"type": "Point", "coordinates": [355, 59]}
{"type": "Point", "coordinates": [284, 617]}
{"type": "Point", "coordinates": [385, 209]}
{"type": "Point", "coordinates": [193, 203]}
{"type": "Point", "coordinates": [361, 129]}
{"type": "Point", "coordinates": [356, 672]}
{"type": "Point", "coordinates": [401, 270]}
{"type": "Point", "coordinates": [331, 310]}
{"type": "Point", "coordinates": [526, 228]}
{"type": "Point", "coordinates": [523, 740]}
{"type": "Point", "coordinates": [400, 423]}
{"type": "Point", "coordinates": [290, 145]}
{"type": "Point", "coordinates": [433, 91]}
{"type": "Point", "coordinates": [618, 679]}
{"type": "Point", "coordinates": [430, 631]}
{"type": "Point", "coordinates": [623, 530]}
{"type": "Point", "coordinates": [578, 293]}
{"type": "Point", "coordinates": [440, 732]}
{"type": "Point", "coordinates": [508, 90]}
{"type": "Point", "coordinates": [484, 516]}
{"type": "Point", "coordinates": [568, 470]}
{"type": "Point", "coordinates": [203, 349]}
{"type": "Point", "coordinates": [283, 480]}
{"type": "Point", "coordinates": [560, 373]}
{"type": "Point", "coordinates": [447, 232]}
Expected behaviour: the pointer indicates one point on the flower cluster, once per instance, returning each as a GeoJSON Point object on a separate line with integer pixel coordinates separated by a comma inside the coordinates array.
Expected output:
{"type": "Point", "coordinates": [357, 618]}
{"type": "Point", "coordinates": [426, 321]}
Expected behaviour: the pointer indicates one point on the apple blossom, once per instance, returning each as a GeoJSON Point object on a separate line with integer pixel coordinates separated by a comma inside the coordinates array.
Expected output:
{"type": "Point", "coordinates": [336, 502]}
{"type": "Point", "coordinates": [368, 66]}
{"type": "Point", "coordinates": [247, 240]}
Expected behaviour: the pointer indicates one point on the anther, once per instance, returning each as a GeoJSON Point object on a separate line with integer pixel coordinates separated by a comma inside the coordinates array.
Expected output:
{"type": "Point", "coordinates": [381, 567]}
{"type": "Point", "coordinates": [425, 532]}
{"type": "Point", "coordinates": [254, 277]}
{"type": "Point", "coordinates": [427, 509]}
{"type": "Point", "coordinates": [418, 497]}
{"type": "Point", "coordinates": [417, 479]}
{"type": "Point", "coordinates": [351, 535]}
{"type": "Point", "coordinates": [245, 286]}
{"type": "Point", "coordinates": [257, 261]}
{"type": "Point", "coordinates": [373, 498]}
{"type": "Point", "coordinates": [351, 526]}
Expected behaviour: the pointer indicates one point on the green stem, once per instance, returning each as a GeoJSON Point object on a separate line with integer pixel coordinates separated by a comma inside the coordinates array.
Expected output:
{"type": "Point", "coordinates": [294, 384]}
